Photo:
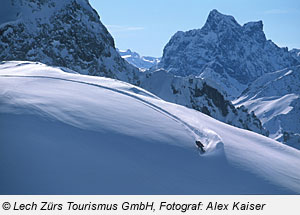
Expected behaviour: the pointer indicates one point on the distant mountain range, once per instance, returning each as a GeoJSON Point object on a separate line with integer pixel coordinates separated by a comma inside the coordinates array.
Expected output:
{"type": "Point", "coordinates": [141, 62]}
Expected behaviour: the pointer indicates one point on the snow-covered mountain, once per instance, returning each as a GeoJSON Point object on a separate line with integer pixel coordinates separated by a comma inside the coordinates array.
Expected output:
{"type": "Point", "coordinates": [66, 33]}
{"type": "Point", "coordinates": [70, 34]}
{"type": "Point", "coordinates": [192, 92]}
{"type": "Point", "coordinates": [232, 58]}
{"type": "Point", "coordinates": [116, 138]}
{"type": "Point", "coordinates": [200, 95]}
{"type": "Point", "coordinates": [224, 51]}
{"type": "Point", "coordinates": [275, 99]}
{"type": "Point", "coordinates": [141, 62]}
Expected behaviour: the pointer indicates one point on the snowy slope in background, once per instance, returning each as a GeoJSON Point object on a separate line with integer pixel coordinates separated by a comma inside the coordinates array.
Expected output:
{"type": "Point", "coordinates": [202, 95]}
{"type": "Point", "coordinates": [275, 99]}
{"type": "Point", "coordinates": [141, 62]}
{"type": "Point", "coordinates": [65, 133]}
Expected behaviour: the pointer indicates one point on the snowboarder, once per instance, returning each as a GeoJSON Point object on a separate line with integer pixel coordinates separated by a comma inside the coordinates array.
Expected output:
{"type": "Point", "coordinates": [200, 146]}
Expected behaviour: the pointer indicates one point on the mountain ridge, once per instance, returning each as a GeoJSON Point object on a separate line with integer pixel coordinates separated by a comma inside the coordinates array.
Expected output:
{"type": "Point", "coordinates": [224, 51]}
{"type": "Point", "coordinates": [201, 95]}
{"type": "Point", "coordinates": [141, 62]}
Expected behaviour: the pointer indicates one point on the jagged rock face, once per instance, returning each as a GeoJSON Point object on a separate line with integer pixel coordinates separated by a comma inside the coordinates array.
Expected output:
{"type": "Point", "coordinates": [225, 51]}
{"type": "Point", "coordinates": [275, 99]}
{"type": "Point", "coordinates": [141, 62]}
{"type": "Point", "coordinates": [66, 33]}
{"type": "Point", "coordinates": [296, 53]}
{"type": "Point", "coordinates": [198, 94]}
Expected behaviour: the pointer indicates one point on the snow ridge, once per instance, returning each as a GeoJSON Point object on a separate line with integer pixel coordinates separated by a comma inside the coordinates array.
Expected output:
{"type": "Point", "coordinates": [275, 99]}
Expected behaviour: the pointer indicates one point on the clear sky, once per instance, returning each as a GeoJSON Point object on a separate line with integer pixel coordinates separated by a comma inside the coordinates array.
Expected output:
{"type": "Point", "coordinates": [147, 26]}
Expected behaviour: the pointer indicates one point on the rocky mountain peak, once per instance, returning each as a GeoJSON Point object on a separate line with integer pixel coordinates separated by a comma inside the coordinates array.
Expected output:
{"type": "Point", "coordinates": [226, 52]}
{"type": "Point", "coordinates": [255, 30]}
{"type": "Point", "coordinates": [65, 33]}
{"type": "Point", "coordinates": [217, 21]}
{"type": "Point", "coordinates": [128, 52]}
{"type": "Point", "coordinates": [253, 26]}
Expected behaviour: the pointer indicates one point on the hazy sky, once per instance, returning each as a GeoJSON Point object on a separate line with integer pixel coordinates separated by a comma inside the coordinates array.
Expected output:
{"type": "Point", "coordinates": [147, 26]}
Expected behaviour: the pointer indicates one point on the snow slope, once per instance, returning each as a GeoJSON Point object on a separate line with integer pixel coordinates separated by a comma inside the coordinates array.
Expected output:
{"type": "Point", "coordinates": [275, 99]}
{"type": "Point", "coordinates": [66, 133]}
{"type": "Point", "coordinates": [202, 95]}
